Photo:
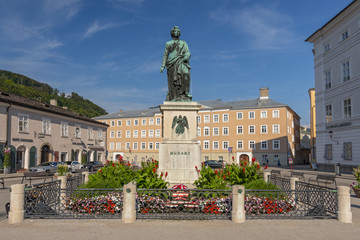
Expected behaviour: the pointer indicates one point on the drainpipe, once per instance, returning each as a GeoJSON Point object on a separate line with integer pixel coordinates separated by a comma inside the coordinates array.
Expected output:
{"type": "Point", "coordinates": [8, 125]}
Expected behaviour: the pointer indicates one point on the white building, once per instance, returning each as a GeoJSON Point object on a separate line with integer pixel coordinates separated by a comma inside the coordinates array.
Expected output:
{"type": "Point", "coordinates": [337, 89]}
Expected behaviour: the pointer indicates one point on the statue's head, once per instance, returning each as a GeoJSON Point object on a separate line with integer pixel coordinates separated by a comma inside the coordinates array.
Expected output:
{"type": "Point", "coordinates": [175, 32]}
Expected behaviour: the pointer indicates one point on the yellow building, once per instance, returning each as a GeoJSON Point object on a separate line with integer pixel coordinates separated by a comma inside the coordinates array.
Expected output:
{"type": "Point", "coordinates": [258, 128]}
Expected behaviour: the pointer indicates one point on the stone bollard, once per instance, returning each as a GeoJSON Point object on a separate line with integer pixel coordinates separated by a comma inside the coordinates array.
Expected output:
{"type": "Point", "coordinates": [293, 181]}
{"type": "Point", "coordinates": [63, 180]}
{"type": "Point", "coordinates": [129, 196]}
{"type": "Point", "coordinates": [238, 204]}
{"type": "Point", "coordinates": [86, 176]}
{"type": "Point", "coordinates": [266, 176]}
{"type": "Point", "coordinates": [344, 205]}
{"type": "Point", "coordinates": [17, 199]}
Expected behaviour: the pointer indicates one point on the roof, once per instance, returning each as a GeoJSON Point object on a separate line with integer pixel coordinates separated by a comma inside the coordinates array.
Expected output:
{"type": "Point", "coordinates": [209, 104]}
{"type": "Point", "coordinates": [44, 107]}
{"type": "Point", "coordinates": [320, 29]}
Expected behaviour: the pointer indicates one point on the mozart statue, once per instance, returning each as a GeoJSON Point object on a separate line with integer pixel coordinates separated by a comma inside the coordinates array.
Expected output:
{"type": "Point", "coordinates": [176, 60]}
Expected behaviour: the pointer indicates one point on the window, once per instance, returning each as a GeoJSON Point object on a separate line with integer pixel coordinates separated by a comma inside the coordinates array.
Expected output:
{"type": "Point", "coordinates": [151, 146]}
{"type": "Point", "coordinates": [251, 144]}
{"type": "Point", "coordinates": [90, 133]}
{"type": "Point", "coordinates": [100, 134]}
{"type": "Point", "coordinates": [327, 76]}
{"type": "Point", "coordinates": [112, 134]}
{"type": "Point", "coordinates": [251, 115]}
{"type": "Point", "coordinates": [225, 144]}
{"type": "Point", "coordinates": [345, 66]}
{"type": "Point", "coordinates": [239, 115]}
{"type": "Point", "coordinates": [135, 145]}
{"type": "Point", "coordinates": [275, 113]}
{"type": "Point", "coordinates": [327, 47]}
{"type": "Point", "coordinates": [206, 131]}
{"type": "Point", "coordinates": [157, 133]}
{"type": "Point", "coordinates": [216, 118]}
{"type": "Point", "coordinates": [143, 122]}
{"type": "Point", "coordinates": [264, 145]}
{"type": "Point", "coordinates": [345, 35]}
{"type": "Point", "coordinates": [347, 150]}
{"type": "Point", "coordinates": [111, 146]}
{"type": "Point", "coordinates": [151, 133]}
{"type": "Point", "coordinates": [135, 133]}
{"type": "Point", "coordinates": [216, 131]}
{"type": "Point", "coordinates": [46, 126]}
{"type": "Point", "coordinates": [128, 122]}
{"type": "Point", "coordinates": [143, 133]}
{"type": "Point", "coordinates": [119, 123]}
{"type": "Point", "coordinates": [276, 144]}
{"type": "Point", "coordinates": [143, 146]}
{"type": "Point", "coordinates": [263, 128]}
{"type": "Point", "coordinates": [118, 146]}
{"type": "Point", "coordinates": [151, 121]}
{"type": "Point", "coordinates": [225, 117]}
{"type": "Point", "coordinates": [252, 129]}
{"type": "Point", "coordinates": [328, 113]}
{"type": "Point", "coordinates": [216, 145]}
{"type": "Point", "coordinates": [206, 118]}
{"type": "Point", "coordinates": [239, 144]}
{"type": "Point", "coordinates": [276, 128]}
{"type": "Point", "coordinates": [127, 146]}
{"type": "Point", "coordinates": [328, 152]}
{"type": "Point", "coordinates": [347, 108]}
{"type": "Point", "coordinates": [64, 129]}
{"type": "Point", "coordinates": [77, 131]}
{"type": "Point", "coordinates": [118, 134]}
{"type": "Point", "coordinates": [136, 122]}
{"type": "Point", "coordinates": [263, 114]}
{"type": "Point", "coordinates": [128, 134]}
{"type": "Point", "coordinates": [276, 157]}
{"type": "Point", "coordinates": [198, 119]}
{"type": "Point", "coordinates": [158, 121]}
{"type": "Point", "coordinates": [23, 123]}
{"type": "Point", "coordinates": [157, 145]}
{"type": "Point", "coordinates": [112, 123]}
{"type": "Point", "coordinates": [239, 129]}
{"type": "Point", "coordinates": [225, 130]}
{"type": "Point", "coordinates": [198, 131]}
{"type": "Point", "coordinates": [206, 144]}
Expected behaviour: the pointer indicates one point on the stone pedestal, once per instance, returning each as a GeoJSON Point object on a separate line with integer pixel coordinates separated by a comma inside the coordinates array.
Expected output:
{"type": "Point", "coordinates": [180, 153]}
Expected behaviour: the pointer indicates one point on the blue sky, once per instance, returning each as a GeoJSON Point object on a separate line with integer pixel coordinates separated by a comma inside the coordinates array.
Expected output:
{"type": "Point", "coordinates": [110, 51]}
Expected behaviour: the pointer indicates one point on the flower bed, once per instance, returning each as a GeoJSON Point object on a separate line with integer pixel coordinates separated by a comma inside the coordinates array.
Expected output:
{"type": "Point", "coordinates": [268, 205]}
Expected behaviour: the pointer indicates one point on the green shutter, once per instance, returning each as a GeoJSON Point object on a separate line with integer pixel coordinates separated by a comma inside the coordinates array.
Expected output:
{"type": "Point", "coordinates": [1, 155]}
{"type": "Point", "coordinates": [32, 157]}
{"type": "Point", "coordinates": [12, 158]}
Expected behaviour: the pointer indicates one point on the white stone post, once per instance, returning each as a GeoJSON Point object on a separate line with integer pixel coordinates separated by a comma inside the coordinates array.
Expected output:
{"type": "Point", "coordinates": [238, 204]}
{"type": "Point", "coordinates": [63, 180]}
{"type": "Point", "coordinates": [344, 205]}
{"type": "Point", "coordinates": [86, 176]}
{"type": "Point", "coordinates": [293, 181]}
{"type": "Point", "coordinates": [129, 195]}
{"type": "Point", "coordinates": [266, 176]}
{"type": "Point", "coordinates": [17, 199]}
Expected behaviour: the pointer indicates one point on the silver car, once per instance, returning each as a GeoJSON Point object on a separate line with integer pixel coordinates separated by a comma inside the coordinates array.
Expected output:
{"type": "Point", "coordinates": [73, 166]}
{"type": "Point", "coordinates": [48, 167]}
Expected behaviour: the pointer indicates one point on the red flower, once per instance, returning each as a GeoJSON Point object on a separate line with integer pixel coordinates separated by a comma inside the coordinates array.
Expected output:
{"type": "Point", "coordinates": [196, 168]}
{"type": "Point", "coordinates": [166, 174]}
{"type": "Point", "coordinates": [100, 170]}
{"type": "Point", "coordinates": [228, 173]}
{"type": "Point", "coordinates": [258, 166]}
{"type": "Point", "coordinates": [216, 171]}
{"type": "Point", "coordinates": [156, 166]}
{"type": "Point", "coordinates": [162, 174]}
{"type": "Point", "coordinates": [266, 167]}
{"type": "Point", "coordinates": [113, 164]}
{"type": "Point", "coordinates": [253, 160]}
{"type": "Point", "coordinates": [121, 158]}
{"type": "Point", "coordinates": [243, 170]}
{"type": "Point", "coordinates": [233, 158]}
{"type": "Point", "coordinates": [224, 177]}
{"type": "Point", "coordinates": [245, 163]}
{"type": "Point", "coordinates": [154, 170]}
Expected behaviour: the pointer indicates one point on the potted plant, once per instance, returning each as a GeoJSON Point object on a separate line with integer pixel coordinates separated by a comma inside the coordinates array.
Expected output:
{"type": "Point", "coordinates": [356, 187]}
{"type": "Point", "coordinates": [7, 164]}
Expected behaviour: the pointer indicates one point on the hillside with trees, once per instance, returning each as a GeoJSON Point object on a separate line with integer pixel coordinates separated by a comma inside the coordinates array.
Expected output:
{"type": "Point", "coordinates": [30, 88]}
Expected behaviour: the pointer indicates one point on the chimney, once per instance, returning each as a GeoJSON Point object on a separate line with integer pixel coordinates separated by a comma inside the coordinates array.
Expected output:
{"type": "Point", "coordinates": [53, 102]}
{"type": "Point", "coordinates": [264, 93]}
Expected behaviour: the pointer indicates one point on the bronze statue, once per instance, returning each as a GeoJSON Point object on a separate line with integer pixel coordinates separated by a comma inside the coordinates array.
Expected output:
{"type": "Point", "coordinates": [181, 122]}
{"type": "Point", "coordinates": [176, 60]}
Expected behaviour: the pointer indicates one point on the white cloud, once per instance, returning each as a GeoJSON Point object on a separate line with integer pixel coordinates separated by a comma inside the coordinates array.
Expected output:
{"type": "Point", "coordinates": [71, 7]}
{"type": "Point", "coordinates": [96, 27]}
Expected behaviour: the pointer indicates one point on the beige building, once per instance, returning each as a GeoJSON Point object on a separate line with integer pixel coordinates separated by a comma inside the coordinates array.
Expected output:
{"type": "Point", "coordinates": [259, 128]}
{"type": "Point", "coordinates": [38, 132]}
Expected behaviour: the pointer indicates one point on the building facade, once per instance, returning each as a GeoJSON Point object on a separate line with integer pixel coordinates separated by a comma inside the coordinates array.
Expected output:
{"type": "Point", "coordinates": [37, 132]}
{"type": "Point", "coordinates": [259, 128]}
{"type": "Point", "coordinates": [337, 89]}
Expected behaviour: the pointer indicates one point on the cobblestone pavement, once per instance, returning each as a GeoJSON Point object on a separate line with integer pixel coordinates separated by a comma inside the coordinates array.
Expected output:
{"type": "Point", "coordinates": [252, 229]}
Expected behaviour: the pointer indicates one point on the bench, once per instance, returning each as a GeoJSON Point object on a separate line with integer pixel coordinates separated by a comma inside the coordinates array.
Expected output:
{"type": "Point", "coordinates": [3, 177]}
{"type": "Point", "coordinates": [36, 175]}
{"type": "Point", "coordinates": [275, 173]}
{"type": "Point", "coordinates": [324, 179]}
{"type": "Point", "coordinates": [299, 175]}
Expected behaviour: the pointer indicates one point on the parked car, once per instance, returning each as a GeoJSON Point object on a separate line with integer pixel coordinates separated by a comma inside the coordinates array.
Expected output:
{"type": "Point", "coordinates": [94, 166]}
{"type": "Point", "coordinates": [73, 166]}
{"type": "Point", "coordinates": [49, 167]}
{"type": "Point", "coordinates": [223, 162]}
{"type": "Point", "coordinates": [213, 164]}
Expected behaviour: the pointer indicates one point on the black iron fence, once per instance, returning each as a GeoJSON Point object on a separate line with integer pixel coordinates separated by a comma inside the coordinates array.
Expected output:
{"type": "Point", "coordinates": [282, 183]}
{"type": "Point", "coordinates": [190, 204]}
{"type": "Point", "coordinates": [75, 181]}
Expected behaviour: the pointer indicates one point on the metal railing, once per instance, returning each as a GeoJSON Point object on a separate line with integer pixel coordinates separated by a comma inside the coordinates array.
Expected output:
{"type": "Point", "coordinates": [282, 183]}
{"type": "Point", "coordinates": [75, 181]}
{"type": "Point", "coordinates": [190, 204]}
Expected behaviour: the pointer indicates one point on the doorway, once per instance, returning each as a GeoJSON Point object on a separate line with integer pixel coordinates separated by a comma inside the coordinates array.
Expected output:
{"type": "Point", "coordinates": [45, 152]}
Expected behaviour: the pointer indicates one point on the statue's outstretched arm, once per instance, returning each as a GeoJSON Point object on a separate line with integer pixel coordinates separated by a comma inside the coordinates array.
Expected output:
{"type": "Point", "coordinates": [165, 57]}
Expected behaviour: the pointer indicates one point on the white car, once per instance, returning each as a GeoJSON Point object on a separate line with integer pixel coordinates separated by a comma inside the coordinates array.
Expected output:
{"type": "Point", "coordinates": [73, 166]}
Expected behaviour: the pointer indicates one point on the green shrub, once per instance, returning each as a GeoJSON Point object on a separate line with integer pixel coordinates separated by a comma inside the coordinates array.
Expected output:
{"type": "Point", "coordinates": [210, 179]}
{"type": "Point", "coordinates": [147, 177]}
{"type": "Point", "coordinates": [260, 184]}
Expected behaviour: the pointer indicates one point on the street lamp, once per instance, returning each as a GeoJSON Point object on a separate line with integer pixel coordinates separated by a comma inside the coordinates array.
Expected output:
{"type": "Point", "coordinates": [331, 137]}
